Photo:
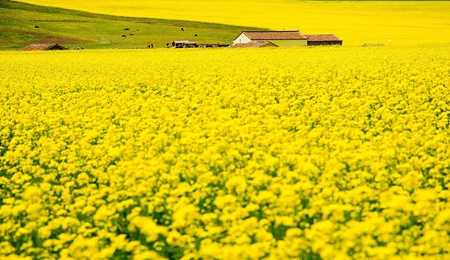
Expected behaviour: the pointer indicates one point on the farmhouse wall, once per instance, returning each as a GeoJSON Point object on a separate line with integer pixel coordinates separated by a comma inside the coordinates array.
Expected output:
{"type": "Point", "coordinates": [242, 39]}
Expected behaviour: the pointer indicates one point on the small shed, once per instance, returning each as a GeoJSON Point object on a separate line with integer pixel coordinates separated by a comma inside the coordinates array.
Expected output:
{"type": "Point", "coordinates": [323, 39]}
{"type": "Point", "coordinates": [44, 47]}
{"type": "Point", "coordinates": [279, 38]}
{"type": "Point", "coordinates": [253, 45]}
{"type": "Point", "coordinates": [184, 44]}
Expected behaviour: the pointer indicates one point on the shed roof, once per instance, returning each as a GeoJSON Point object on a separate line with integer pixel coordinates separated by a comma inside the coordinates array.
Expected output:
{"type": "Point", "coordinates": [322, 38]}
{"type": "Point", "coordinates": [274, 35]}
{"type": "Point", "coordinates": [43, 47]}
{"type": "Point", "coordinates": [253, 44]}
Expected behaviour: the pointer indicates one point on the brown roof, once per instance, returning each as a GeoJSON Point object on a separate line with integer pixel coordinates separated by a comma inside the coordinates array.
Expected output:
{"type": "Point", "coordinates": [322, 38]}
{"type": "Point", "coordinates": [253, 44]}
{"type": "Point", "coordinates": [43, 47]}
{"type": "Point", "coordinates": [274, 35]}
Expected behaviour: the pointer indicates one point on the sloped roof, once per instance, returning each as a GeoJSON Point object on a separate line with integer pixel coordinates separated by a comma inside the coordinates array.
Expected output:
{"type": "Point", "coordinates": [43, 47]}
{"type": "Point", "coordinates": [253, 44]}
{"type": "Point", "coordinates": [322, 38]}
{"type": "Point", "coordinates": [274, 35]}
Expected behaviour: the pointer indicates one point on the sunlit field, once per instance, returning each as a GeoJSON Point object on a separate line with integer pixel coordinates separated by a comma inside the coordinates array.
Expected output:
{"type": "Point", "coordinates": [396, 22]}
{"type": "Point", "coordinates": [294, 153]}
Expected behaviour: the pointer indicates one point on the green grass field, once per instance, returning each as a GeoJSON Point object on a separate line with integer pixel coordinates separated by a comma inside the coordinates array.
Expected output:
{"type": "Point", "coordinates": [76, 28]}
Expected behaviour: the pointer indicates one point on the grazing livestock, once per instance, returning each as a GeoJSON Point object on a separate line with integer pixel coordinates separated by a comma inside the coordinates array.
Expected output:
{"type": "Point", "coordinates": [126, 29]}
{"type": "Point", "coordinates": [150, 45]}
{"type": "Point", "coordinates": [182, 29]}
{"type": "Point", "coordinates": [195, 35]}
{"type": "Point", "coordinates": [123, 35]}
{"type": "Point", "coordinates": [37, 27]}
{"type": "Point", "coordinates": [131, 34]}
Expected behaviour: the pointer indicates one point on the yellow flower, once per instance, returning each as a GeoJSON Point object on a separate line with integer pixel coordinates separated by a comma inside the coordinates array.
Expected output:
{"type": "Point", "coordinates": [287, 153]}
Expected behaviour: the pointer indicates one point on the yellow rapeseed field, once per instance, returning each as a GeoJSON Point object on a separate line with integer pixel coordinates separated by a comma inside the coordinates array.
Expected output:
{"type": "Point", "coordinates": [289, 153]}
{"type": "Point", "coordinates": [395, 22]}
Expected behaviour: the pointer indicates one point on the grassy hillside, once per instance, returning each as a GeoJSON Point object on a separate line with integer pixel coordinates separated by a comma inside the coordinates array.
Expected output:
{"type": "Point", "coordinates": [356, 22]}
{"type": "Point", "coordinates": [77, 28]}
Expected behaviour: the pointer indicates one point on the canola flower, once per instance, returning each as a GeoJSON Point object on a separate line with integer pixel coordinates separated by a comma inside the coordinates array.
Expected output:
{"type": "Point", "coordinates": [294, 153]}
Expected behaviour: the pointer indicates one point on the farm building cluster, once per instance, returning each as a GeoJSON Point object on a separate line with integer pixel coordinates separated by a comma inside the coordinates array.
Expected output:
{"type": "Point", "coordinates": [244, 40]}
{"type": "Point", "coordinates": [268, 39]}
{"type": "Point", "coordinates": [283, 39]}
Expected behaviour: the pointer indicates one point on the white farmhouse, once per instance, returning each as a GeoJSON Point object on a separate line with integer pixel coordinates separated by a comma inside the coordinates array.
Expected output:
{"type": "Point", "coordinates": [279, 38]}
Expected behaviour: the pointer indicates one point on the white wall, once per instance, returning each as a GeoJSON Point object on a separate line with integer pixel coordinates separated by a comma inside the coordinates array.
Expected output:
{"type": "Point", "coordinates": [242, 39]}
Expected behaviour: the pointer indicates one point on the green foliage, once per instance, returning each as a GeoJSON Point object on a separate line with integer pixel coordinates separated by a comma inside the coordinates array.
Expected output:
{"type": "Point", "coordinates": [76, 28]}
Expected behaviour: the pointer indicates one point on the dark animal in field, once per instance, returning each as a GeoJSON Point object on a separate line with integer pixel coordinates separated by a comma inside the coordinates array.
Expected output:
{"type": "Point", "coordinates": [123, 35]}
{"type": "Point", "coordinates": [182, 29]}
{"type": "Point", "coordinates": [126, 29]}
{"type": "Point", "coordinates": [195, 35]}
{"type": "Point", "coordinates": [150, 45]}
{"type": "Point", "coordinates": [37, 27]}
{"type": "Point", "coordinates": [131, 34]}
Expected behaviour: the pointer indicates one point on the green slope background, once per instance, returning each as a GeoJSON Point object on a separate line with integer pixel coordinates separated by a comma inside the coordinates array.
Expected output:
{"type": "Point", "coordinates": [96, 31]}
{"type": "Point", "coordinates": [356, 22]}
